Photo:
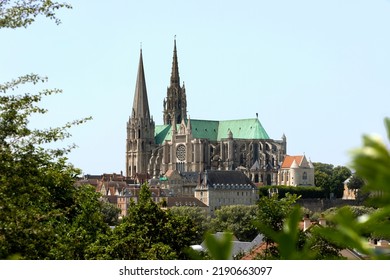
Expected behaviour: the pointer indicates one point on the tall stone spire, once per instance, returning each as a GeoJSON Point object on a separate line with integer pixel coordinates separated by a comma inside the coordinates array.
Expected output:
{"type": "Point", "coordinates": [175, 104]}
{"type": "Point", "coordinates": [140, 129]}
{"type": "Point", "coordinates": [175, 79]}
{"type": "Point", "coordinates": [140, 103]}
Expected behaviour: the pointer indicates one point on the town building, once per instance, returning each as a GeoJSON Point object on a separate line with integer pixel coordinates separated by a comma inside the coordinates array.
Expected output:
{"type": "Point", "coordinates": [296, 171]}
{"type": "Point", "coordinates": [219, 188]}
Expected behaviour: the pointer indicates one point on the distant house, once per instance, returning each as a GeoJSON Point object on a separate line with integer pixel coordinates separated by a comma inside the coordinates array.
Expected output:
{"type": "Point", "coordinates": [296, 171]}
{"type": "Point", "coordinates": [218, 188]}
{"type": "Point", "coordinates": [120, 191]}
{"type": "Point", "coordinates": [177, 183]}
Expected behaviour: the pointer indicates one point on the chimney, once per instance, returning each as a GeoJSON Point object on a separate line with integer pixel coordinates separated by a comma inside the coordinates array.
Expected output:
{"type": "Point", "coordinates": [306, 222]}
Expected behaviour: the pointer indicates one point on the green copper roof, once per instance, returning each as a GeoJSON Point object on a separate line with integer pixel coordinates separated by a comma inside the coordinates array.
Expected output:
{"type": "Point", "coordinates": [217, 130]}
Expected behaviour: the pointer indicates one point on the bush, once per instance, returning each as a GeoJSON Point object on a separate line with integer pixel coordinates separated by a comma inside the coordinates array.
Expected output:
{"type": "Point", "coordinates": [303, 192]}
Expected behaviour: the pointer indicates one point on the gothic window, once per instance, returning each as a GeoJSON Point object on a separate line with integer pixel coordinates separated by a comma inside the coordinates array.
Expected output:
{"type": "Point", "coordinates": [180, 166]}
{"type": "Point", "coordinates": [269, 181]}
{"type": "Point", "coordinates": [255, 150]}
{"type": "Point", "coordinates": [181, 152]}
{"type": "Point", "coordinates": [304, 176]}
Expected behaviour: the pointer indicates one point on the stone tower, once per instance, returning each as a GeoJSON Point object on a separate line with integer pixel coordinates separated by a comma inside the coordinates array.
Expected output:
{"type": "Point", "coordinates": [175, 104]}
{"type": "Point", "coordinates": [140, 129]}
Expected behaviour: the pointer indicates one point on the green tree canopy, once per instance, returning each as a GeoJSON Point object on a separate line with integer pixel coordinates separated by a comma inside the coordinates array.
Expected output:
{"type": "Point", "coordinates": [43, 215]}
{"type": "Point", "coordinates": [22, 13]}
{"type": "Point", "coordinates": [147, 232]}
{"type": "Point", "coordinates": [237, 219]}
{"type": "Point", "coordinates": [355, 182]}
{"type": "Point", "coordinates": [199, 218]}
{"type": "Point", "coordinates": [331, 179]}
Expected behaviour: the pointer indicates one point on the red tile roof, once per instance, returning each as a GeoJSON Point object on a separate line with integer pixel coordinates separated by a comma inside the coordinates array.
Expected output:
{"type": "Point", "coordinates": [288, 161]}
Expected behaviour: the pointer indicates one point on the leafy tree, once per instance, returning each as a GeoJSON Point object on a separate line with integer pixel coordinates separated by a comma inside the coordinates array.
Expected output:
{"type": "Point", "coordinates": [322, 176]}
{"type": "Point", "coordinates": [147, 232]}
{"type": "Point", "coordinates": [110, 213]}
{"type": "Point", "coordinates": [371, 162]}
{"type": "Point", "coordinates": [199, 218]}
{"type": "Point", "coordinates": [272, 213]}
{"type": "Point", "coordinates": [355, 182]}
{"type": "Point", "coordinates": [339, 175]}
{"type": "Point", "coordinates": [238, 219]}
{"type": "Point", "coordinates": [348, 229]}
{"type": "Point", "coordinates": [21, 13]}
{"type": "Point", "coordinates": [331, 179]}
{"type": "Point", "coordinates": [43, 215]}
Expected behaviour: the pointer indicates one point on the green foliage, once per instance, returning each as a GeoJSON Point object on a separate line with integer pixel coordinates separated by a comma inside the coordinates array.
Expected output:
{"type": "Point", "coordinates": [272, 213]}
{"type": "Point", "coordinates": [110, 213]}
{"type": "Point", "coordinates": [43, 215]}
{"type": "Point", "coordinates": [22, 13]}
{"type": "Point", "coordinates": [199, 218]}
{"type": "Point", "coordinates": [291, 243]}
{"type": "Point", "coordinates": [331, 179]}
{"type": "Point", "coordinates": [348, 227]}
{"type": "Point", "coordinates": [372, 163]}
{"type": "Point", "coordinates": [355, 182]}
{"type": "Point", "coordinates": [340, 174]}
{"type": "Point", "coordinates": [357, 211]}
{"type": "Point", "coordinates": [301, 191]}
{"type": "Point", "coordinates": [146, 232]}
{"type": "Point", "coordinates": [219, 248]}
{"type": "Point", "coordinates": [238, 219]}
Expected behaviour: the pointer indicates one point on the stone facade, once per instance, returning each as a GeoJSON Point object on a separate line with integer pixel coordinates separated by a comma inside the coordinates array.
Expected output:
{"type": "Point", "coordinates": [219, 188]}
{"type": "Point", "coordinates": [296, 171]}
{"type": "Point", "coordinates": [194, 145]}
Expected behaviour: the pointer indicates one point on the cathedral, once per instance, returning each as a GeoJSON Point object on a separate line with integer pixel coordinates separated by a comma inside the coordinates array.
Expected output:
{"type": "Point", "coordinates": [184, 145]}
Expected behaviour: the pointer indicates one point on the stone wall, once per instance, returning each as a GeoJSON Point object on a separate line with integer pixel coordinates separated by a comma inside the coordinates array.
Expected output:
{"type": "Point", "coordinates": [320, 205]}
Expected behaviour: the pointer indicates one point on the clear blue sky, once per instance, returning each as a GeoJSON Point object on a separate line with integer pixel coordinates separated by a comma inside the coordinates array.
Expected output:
{"type": "Point", "coordinates": [317, 71]}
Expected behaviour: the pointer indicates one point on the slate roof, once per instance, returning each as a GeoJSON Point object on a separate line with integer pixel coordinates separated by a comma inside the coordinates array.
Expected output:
{"type": "Point", "coordinates": [228, 177]}
{"type": "Point", "coordinates": [216, 130]}
{"type": "Point", "coordinates": [184, 201]}
{"type": "Point", "coordinates": [239, 247]}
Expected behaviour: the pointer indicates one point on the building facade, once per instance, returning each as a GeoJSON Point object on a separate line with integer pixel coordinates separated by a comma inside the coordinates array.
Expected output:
{"type": "Point", "coordinates": [219, 188]}
{"type": "Point", "coordinates": [296, 171]}
{"type": "Point", "coordinates": [196, 145]}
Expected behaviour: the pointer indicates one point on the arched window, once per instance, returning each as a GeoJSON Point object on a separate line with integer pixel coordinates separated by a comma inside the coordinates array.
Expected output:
{"type": "Point", "coordinates": [304, 176]}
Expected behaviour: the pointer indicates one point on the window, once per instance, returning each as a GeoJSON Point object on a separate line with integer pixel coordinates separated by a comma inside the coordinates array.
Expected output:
{"type": "Point", "coordinates": [304, 176]}
{"type": "Point", "coordinates": [181, 152]}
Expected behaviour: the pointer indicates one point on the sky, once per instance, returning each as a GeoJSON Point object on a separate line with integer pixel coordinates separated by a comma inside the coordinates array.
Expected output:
{"type": "Point", "coordinates": [316, 71]}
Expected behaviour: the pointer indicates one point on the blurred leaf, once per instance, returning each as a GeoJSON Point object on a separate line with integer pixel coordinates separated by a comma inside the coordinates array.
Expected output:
{"type": "Point", "coordinates": [219, 248]}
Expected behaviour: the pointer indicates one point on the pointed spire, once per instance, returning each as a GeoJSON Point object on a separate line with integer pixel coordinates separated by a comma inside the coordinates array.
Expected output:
{"type": "Point", "coordinates": [140, 103]}
{"type": "Point", "coordinates": [175, 79]}
{"type": "Point", "coordinates": [189, 128]}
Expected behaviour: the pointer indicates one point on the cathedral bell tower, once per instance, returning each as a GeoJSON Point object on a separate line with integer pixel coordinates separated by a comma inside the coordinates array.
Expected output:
{"type": "Point", "coordinates": [140, 129]}
{"type": "Point", "coordinates": [175, 104]}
